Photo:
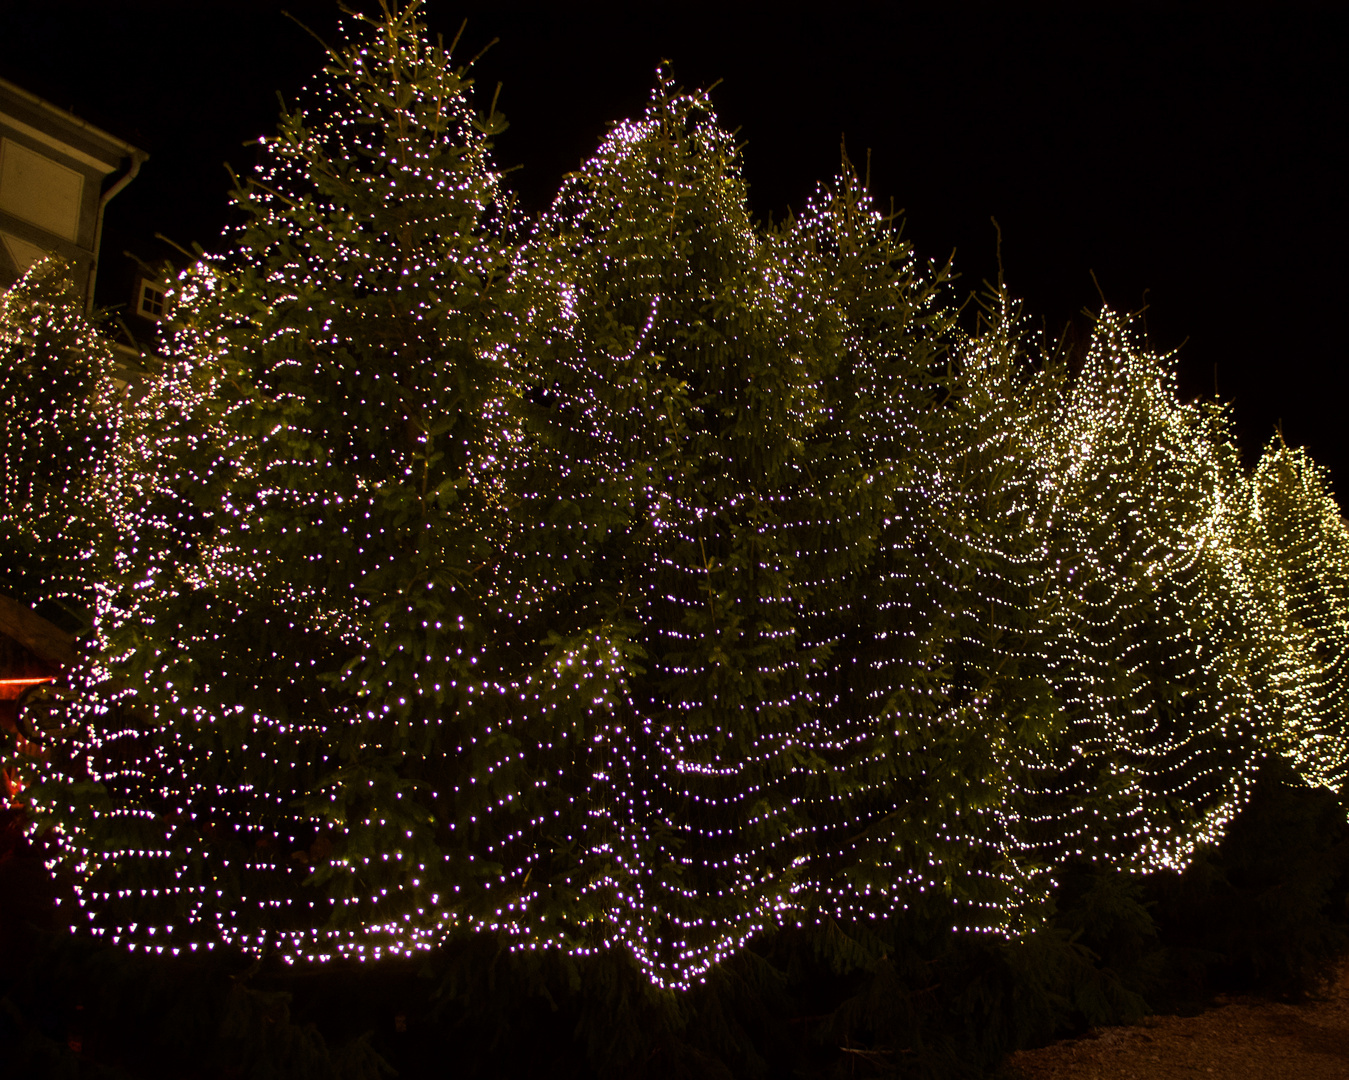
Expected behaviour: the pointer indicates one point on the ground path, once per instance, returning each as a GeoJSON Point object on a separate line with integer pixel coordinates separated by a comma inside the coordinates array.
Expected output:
{"type": "Point", "coordinates": [1241, 1037]}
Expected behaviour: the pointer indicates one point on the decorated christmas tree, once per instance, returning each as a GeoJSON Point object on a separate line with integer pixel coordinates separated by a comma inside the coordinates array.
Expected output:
{"type": "Point", "coordinates": [59, 420]}
{"type": "Point", "coordinates": [1161, 670]}
{"type": "Point", "coordinates": [1303, 543]}
{"type": "Point", "coordinates": [331, 382]}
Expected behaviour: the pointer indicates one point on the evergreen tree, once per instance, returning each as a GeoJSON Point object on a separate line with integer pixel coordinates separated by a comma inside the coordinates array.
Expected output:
{"type": "Point", "coordinates": [298, 618]}
{"type": "Point", "coordinates": [1303, 547]}
{"type": "Point", "coordinates": [59, 420]}
{"type": "Point", "coordinates": [672, 398]}
{"type": "Point", "coordinates": [1162, 670]}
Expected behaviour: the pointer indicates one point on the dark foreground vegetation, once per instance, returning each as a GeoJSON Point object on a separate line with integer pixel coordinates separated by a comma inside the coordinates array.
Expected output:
{"type": "Point", "coordinates": [1266, 912]}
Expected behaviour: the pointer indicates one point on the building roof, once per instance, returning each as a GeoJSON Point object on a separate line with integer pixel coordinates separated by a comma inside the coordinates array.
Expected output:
{"type": "Point", "coordinates": [100, 149]}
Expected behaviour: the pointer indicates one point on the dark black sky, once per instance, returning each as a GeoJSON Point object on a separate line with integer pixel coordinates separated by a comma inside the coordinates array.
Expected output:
{"type": "Point", "coordinates": [1195, 153]}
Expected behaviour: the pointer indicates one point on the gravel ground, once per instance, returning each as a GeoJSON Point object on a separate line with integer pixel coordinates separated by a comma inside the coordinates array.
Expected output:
{"type": "Point", "coordinates": [1240, 1037]}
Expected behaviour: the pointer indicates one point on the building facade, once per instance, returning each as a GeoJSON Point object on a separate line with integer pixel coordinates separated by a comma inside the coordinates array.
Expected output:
{"type": "Point", "coordinates": [57, 175]}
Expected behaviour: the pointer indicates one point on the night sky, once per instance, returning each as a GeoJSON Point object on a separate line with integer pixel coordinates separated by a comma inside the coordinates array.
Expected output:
{"type": "Point", "coordinates": [1192, 156]}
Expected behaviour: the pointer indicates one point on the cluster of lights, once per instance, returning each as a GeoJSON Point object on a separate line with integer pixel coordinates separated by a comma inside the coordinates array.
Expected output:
{"type": "Point", "coordinates": [643, 578]}
{"type": "Point", "coordinates": [59, 421]}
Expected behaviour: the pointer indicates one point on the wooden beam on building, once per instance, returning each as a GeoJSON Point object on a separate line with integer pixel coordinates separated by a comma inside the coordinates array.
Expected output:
{"type": "Point", "coordinates": [45, 641]}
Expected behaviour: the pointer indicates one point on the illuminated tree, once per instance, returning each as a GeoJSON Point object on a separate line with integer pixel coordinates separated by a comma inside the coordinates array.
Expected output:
{"type": "Point", "coordinates": [58, 424]}
{"type": "Point", "coordinates": [1303, 547]}
{"type": "Point", "coordinates": [299, 614]}
{"type": "Point", "coordinates": [672, 392]}
{"type": "Point", "coordinates": [1163, 669]}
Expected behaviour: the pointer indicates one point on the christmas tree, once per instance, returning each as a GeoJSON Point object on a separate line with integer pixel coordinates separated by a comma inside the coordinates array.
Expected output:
{"type": "Point", "coordinates": [1303, 542]}
{"type": "Point", "coordinates": [332, 383]}
{"type": "Point", "coordinates": [59, 421]}
{"type": "Point", "coordinates": [1161, 669]}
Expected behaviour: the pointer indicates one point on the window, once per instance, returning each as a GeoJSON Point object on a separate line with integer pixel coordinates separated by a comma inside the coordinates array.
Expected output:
{"type": "Point", "coordinates": [149, 299]}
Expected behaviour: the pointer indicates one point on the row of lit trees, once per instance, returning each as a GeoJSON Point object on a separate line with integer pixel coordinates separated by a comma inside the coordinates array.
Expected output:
{"type": "Point", "coordinates": [636, 577]}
